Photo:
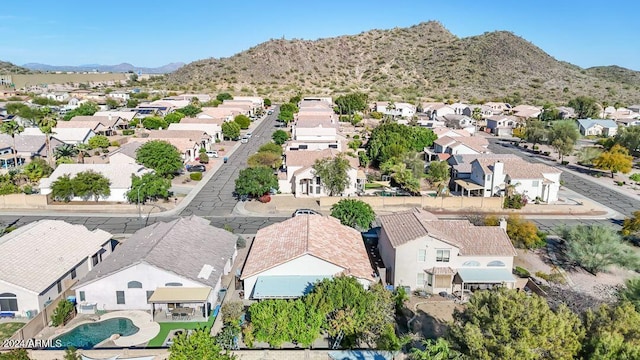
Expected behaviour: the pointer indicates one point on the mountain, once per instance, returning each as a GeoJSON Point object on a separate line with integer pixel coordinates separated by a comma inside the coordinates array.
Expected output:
{"type": "Point", "coordinates": [421, 62]}
{"type": "Point", "coordinates": [9, 68]}
{"type": "Point", "coordinates": [124, 67]}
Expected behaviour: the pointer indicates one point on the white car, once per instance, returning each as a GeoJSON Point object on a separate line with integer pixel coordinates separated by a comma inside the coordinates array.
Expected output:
{"type": "Point", "coordinates": [248, 136]}
{"type": "Point", "coordinates": [212, 153]}
{"type": "Point", "coordinates": [244, 140]}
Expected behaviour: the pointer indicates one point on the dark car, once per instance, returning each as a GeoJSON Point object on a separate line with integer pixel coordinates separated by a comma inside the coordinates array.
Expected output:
{"type": "Point", "coordinates": [196, 168]}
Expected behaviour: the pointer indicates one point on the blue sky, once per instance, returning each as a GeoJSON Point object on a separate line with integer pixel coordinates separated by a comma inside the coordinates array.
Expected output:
{"type": "Point", "coordinates": [153, 33]}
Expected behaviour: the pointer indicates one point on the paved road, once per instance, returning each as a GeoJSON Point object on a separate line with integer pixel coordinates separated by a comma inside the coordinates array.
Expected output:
{"type": "Point", "coordinates": [592, 190]}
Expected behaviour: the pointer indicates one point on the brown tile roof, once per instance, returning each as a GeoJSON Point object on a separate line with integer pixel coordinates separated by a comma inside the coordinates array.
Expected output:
{"type": "Point", "coordinates": [476, 143]}
{"type": "Point", "coordinates": [403, 227]}
{"type": "Point", "coordinates": [518, 168]}
{"type": "Point", "coordinates": [201, 121]}
{"type": "Point", "coordinates": [102, 119]}
{"type": "Point", "coordinates": [178, 134]}
{"type": "Point", "coordinates": [319, 236]}
{"type": "Point", "coordinates": [317, 121]}
{"type": "Point", "coordinates": [306, 158]}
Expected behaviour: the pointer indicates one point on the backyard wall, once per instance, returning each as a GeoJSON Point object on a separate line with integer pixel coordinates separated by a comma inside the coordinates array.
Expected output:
{"type": "Point", "coordinates": [23, 201]}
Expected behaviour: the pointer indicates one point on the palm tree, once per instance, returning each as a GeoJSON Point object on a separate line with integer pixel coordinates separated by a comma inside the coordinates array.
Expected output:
{"type": "Point", "coordinates": [46, 125]}
{"type": "Point", "coordinates": [65, 151]}
{"type": "Point", "coordinates": [12, 128]}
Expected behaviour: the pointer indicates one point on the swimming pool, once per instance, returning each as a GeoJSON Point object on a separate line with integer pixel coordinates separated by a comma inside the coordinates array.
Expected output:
{"type": "Point", "coordinates": [87, 336]}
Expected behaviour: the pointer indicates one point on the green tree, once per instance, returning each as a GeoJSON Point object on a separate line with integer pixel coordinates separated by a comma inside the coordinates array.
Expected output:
{"type": "Point", "coordinates": [563, 135]}
{"type": "Point", "coordinates": [197, 345]}
{"type": "Point", "coordinates": [65, 151]}
{"type": "Point", "coordinates": [629, 137]}
{"type": "Point", "coordinates": [631, 226]}
{"type": "Point", "coordinates": [173, 117]}
{"type": "Point", "coordinates": [152, 186]}
{"type": "Point", "coordinates": [265, 158]}
{"type": "Point", "coordinates": [132, 103]}
{"type": "Point", "coordinates": [37, 169]}
{"type": "Point", "coordinates": [267, 102]}
{"type": "Point", "coordinates": [190, 110]}
{"type": "Point", "coordinates": [612, 332]}
{"type": "Point", "coordinates": [585, 107]}
{"type": "Point", "coordinates": [631, 292]}
{"type": "Point", "coordinates": [588, 154]}
{"type": "Point", "coordinates": [438, 171]}
{"type": "Point", "coordinates": [15, 354]}
{"type": "Point", "coordinates": [351, 103]}
{"type": "Point", "coordinates": [99, 141]}
{"type": "Point", "coordinates": [280, 137]}
{"type": "Point", "coordinates": [90, 184]}
{"type": "Point", "coordinates": [615, 160]}
{"type": "Point", "coordinates": [402, 175]}
{"type": "Point", "coordinates": [355, 213]}
{"type": "Point", "coordinates": [535, 132]}
{"type": "Point", "coordinates": [333, 173]}
{"type": "Point", "coordinates": [112, 103]}
{"type": "Point", "coordinates": [256, 181]}
{"type": "Point", "coordinates": [393, 140]}
{"type": "Point", "coordinates": [160, 156]}
{"type": "Point", "coordinates": [224, 96]}
{"type": "Point", "coordinates": [524, 233]}
{"type": "Point", "coordinates": [46, 125]}
{"type": "Point", "coordinates": [154, 123]}
{"type": "Point", "coordinates": [435, 350]}
{"type": "Point", "coordinates": [62, 188]}
{"type": "Point", "coordinates": [286, 112]}
{"type": "Point", "coordinates": [507, 324]}
{"type": "Point", "coordinates": [243, 121]}
{"type": "Point", "coordinates": [71, 353]}
{"type": "Point", "coordinates": [550, 114]}
{"type": "Point", "coordinates": [87, 109]}
{"type": "Point", "coordinates": [12, 128]}
{"type": "Point", "coordinates": [295, 99]}
{"type": "Point", "coordinates": [595, 248]}
{"type": "Point", "coordinates": [271, 147]}
{"type": "Point", "coordinates": [230, 130]}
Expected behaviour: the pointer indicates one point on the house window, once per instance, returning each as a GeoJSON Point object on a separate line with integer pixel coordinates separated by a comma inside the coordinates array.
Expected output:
{"type": "Point", "coordinates": [535, 183]}
{"type": "Point", "coordinates": [420, 279]}
{"type": "Point", "coordinates": [317, 180]}
{"type": "Point", "coordinates": [422, 255]}
{"type": "Point", "coordinates": [317, 189]}
{"type": "Point", "coordinates": [442, 255]}
{"type": "Point", "coordinates": [82, 296]}
{"type": "Point", "coordinates": [173, 284]}
{"type": "Point", "coordinates": [134, 285]}
{"type": "Point", "coordinates": [489, 177]}
{"type": "Point", "coordinates": [471, 263]}
{"type": "Point", "coordinates": [496, 263]}
{"type": "Point", "coordinates": [59, 285]}
{"type": "Point", "coordinates": [94, 260]}
{"type": "Point", "coordinates": [430, 279]}
{"type": "Point", "coordinates": [73, 274]}
{"type": "Point", "coordinates": [333, 146]}
{"type": "Point", "coordinates": [8, 302]}
{"type": "Point", "coordinates": [149, 293]}
{"type": "Point", "coordinates": [120, 297]}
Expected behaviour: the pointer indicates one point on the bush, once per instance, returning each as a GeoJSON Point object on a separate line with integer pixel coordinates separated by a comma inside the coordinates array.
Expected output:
{"type": "Point", "coordinates": [128, 132]}
{"type": "Point", "coordinates": [536, 147]}
{"type": "Point", "coordinates": [515, 201]}
{"type": "Point", "coordinates": [635, 177]}
{"type": "Point", "coordinates": [62, 311]}
{"type": "Point", "coordinates": [521, 272]}
{"type": "Point", "coordinates": [195, 176]}
{"type": "Point", "coordinates": [565, 163]}
{"type": "Point", "coordinates": [241, 243]}
{"type": "Point", "coordinates": [115, 144]}
{"type": "Point", "coordinates": [204, 158]}
{"type": "Point", "coordinates": [96, 153]}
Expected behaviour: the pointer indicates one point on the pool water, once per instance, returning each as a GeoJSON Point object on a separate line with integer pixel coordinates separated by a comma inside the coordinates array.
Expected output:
{"type": "Point", "coordinates": [87, 336]}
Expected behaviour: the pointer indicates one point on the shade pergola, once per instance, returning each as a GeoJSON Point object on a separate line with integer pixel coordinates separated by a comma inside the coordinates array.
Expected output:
{"type": "Point", "coordinates": [491, 277]}
{"type": "Point", "coordinates": [179, 294]}
{"type": "Point", "coordinates": [468, 185]}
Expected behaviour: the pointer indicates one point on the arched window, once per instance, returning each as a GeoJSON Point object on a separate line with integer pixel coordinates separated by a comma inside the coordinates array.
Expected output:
{"type": "Point", "coordinates": [496, 263]}
{"type": "Point", "coordinates": [8, 302]}
{"type": "Point", "coordinates": [471, 263]}
{"type": "Point", "coordinates": [173, 284]}
{"type": "Point", "coordinates": [134, 285]}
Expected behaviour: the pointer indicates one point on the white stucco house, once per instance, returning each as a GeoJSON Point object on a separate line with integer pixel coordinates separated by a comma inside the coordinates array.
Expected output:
{"type": "Point", "coordinates": [298, 177]}
{"type": "Point", "coordinates": [119, 174]}
{"type": "Point", "coordinates": [492, 176]}
{"type": "Point", "coordinates": [73, 136]}
{"type": "Point", "coordinates": [399, 109]}
{"type": "Point", "coordinates": [212, 129]}
{"type": "Point", "coordinates": [40, 260]}
{"type": "Point", "coordinates": [597, 127]}
{"type": "Point", "coordinates": [287, 258]}
{"type": "Point", "coordinates": [167, 264]}
{"type": "Point", "coordinates": [461, 145]}
{"type": "Point", "coordinates": [501, 125]}
{"type": "Point", "coordinates": [421, 252]}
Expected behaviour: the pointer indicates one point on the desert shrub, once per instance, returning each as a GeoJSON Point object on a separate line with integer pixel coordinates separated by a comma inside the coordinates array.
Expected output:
{"type": "Point", "coordinates": [128, 132]}
{"type": "Point", "coordinates": [515, 201]}
{"type": "Point", "coordinates": [195, 176]}
{"type": "Point", "coordinates": [521, 272]}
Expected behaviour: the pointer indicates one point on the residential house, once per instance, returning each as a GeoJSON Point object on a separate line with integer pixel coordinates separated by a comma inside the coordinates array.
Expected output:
{"type": "Point", "coordinates": [485, 111]}
{"type": "Point", "coordinates": [287, 258]}
{"type": "Point", "coordinates": [257, 101]}
{"type": "Point", "coordinates": [125, 154]}
{"type": "Point", "coordinates": [101, 125]}
{"type": "Point", "coordinates": [313, 145]}
{"type": "Point", "coordinates": [495, 177]}
{"type": "Point", "coordinates": [325, 99]}
{"type": "Point", "coordinates": [444, 131]}
{"type": "Point", "coordinates": [299, 178]}
{"type": "Point", "coordinates": [435, 110]}
{"type": "Point", "coordinates": [27, 148]}
{"type": "Point", "coordinates": [73, 136]}
{"type": "Point", "coordinates": [634, 108]}
{"type": "Point", "coordinates": [525, 112]}
{"type": "Point", "coordinates": [57, 96]}
{"type": "Point", "coordinates": [400, 109]}
{"type": "Point", "coordinates": [501, 125]}
{"type": "Point", "coordinates": [423, 253]}
{"type": "Point", "coordinates": [189, 148]}
{"type": "Point", "coordinates": [119, 176]}
{"type": "Point", "coordinates": [121, 96]}
{"type": "Point", "coordinates": [628, 122]}
{"type": "Point", "coordinates": [210, 128]}
{"type": "Point", "coordinates": [314, 128]}
{"type": "Point", "coordinates": [40, 260]}
{"type": "Point", "coordinates": [459, 122]}
{"type": "Point", "coordinates": [201, 137]}
{"type": "Point", "coordinates": [461, 165]}
{"type": "Point", "coordinates": [624, 117]}
{"type": "Point", "coordinates": [248, 106]}
{"type": "Point", "coordinates": [498, 108]}
{"type": "Point", "coordinates": [190, 97]}
{"type": "Point", "coordinates": [566, 112]}
{"type": "Point", "coordinates": [162, 266]}
{"type": "Point", "coordinates": [225, 114]}
{"type": "Point", "coordinates": [461, 145]}
{"type": "Point", "coordinates": [597, 127]}
{"type": "Point", "coordinates": [125, 116]}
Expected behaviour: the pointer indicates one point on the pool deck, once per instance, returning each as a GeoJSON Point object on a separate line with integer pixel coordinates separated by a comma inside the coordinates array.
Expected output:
{"type": "Point", "coordinates": [148, 329]}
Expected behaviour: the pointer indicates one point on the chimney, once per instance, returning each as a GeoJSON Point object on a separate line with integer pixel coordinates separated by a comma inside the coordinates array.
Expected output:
{"type": "Point", "coordinates": [503, 224]}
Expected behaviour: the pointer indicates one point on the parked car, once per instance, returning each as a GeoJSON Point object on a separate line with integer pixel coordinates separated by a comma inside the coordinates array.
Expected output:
{"type": "Point", "coordinates": [244, 140]}
{"type": "Point", "coordinates": [270, 112]}
{"type": "Point", "coordinates": [212, 153]}
{"type": "Point", "coordinates": [196, 168]}
{"type": "Point", "coordinates": [248, 136]}
{"type": "Point", "coordinates": [305, 212]}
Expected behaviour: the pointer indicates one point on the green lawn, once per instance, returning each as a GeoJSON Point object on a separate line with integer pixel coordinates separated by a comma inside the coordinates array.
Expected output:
{"type": "Point", "coordinates": [8, 329]}
{"type": "Point", "coordinates": [165, 327]}
{"type": "Point", "coordinates": [369, 186]}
